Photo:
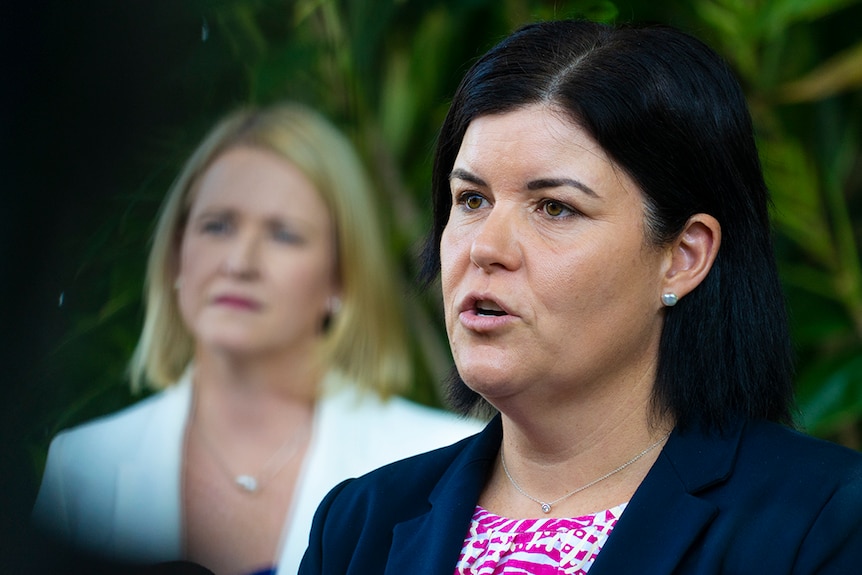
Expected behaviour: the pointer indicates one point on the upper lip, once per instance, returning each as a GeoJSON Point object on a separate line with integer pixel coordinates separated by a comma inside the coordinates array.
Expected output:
{"type": "Point", "coordinates": [475, 300]}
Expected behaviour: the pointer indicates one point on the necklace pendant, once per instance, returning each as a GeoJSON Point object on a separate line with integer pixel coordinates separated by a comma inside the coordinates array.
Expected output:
{"type": "Point", "coordinates": [246, 482]}
{"type": "Point", "coordinates": [546, 508]}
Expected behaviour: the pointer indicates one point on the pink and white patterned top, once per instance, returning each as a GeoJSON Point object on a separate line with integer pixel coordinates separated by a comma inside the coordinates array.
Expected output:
{"type": "Point", "coordinates": [498, 545]}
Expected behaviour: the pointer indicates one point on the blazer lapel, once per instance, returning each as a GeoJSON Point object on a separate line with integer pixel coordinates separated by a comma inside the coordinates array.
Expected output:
{"type": "Point", "coordinates": [147, 518]}
{"type": "Point", "coordinates": [665, 516]}
{"type": "Point", "coordinates": [438, 535]}
{"type": "Point", "coordinates": [661, 522]}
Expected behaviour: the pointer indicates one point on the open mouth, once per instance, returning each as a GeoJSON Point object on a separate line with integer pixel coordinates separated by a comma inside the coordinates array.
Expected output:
{"type": "Point", "coordinates": [487, 308]}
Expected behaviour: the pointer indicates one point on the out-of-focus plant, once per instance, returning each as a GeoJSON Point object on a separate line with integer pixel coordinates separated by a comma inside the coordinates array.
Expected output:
{"type": "Point", "coordinates": [384, 70]}
{"type": "Point", "coordinates": [801, 63]}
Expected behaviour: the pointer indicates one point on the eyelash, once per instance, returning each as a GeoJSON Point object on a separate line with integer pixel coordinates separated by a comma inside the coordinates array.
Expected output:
{"type": "Point", "coordinates": [215, 226]}
{"type": "Point", "coordinates": [287, 236]}
{"type": "Point", "coordinates": [223, 226]}
{"type": "Point", "coordinates": [462, 199]}
{"type": "Point", "coordinates": [567, 211]}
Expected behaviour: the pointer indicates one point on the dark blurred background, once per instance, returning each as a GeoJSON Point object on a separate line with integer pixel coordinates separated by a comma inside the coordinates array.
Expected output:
{"type": "Point", "coordinates": [102, 100]}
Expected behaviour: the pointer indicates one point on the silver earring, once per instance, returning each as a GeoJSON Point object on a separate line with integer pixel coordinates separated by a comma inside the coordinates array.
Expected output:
{"type": "Point", "coordinates": [333, 305]}
{"type": "Point", "coordinates": [669, 299]}
{"type": "Point", "coordinates": [178, 283]}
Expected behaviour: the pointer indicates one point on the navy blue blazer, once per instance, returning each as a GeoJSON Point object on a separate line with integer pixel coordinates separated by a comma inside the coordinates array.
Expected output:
{"type": "Point", "coordinates": [759, 498]}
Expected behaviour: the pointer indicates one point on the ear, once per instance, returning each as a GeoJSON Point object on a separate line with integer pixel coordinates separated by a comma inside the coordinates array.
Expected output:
{"type": "Point", "coordinates": [691, 255]}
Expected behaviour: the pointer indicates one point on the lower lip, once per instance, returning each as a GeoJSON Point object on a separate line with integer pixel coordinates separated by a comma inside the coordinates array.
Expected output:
{"type": "Point", "coordinates": [483, 323]}
{"type": "Point", "coordinates": [236, 303]}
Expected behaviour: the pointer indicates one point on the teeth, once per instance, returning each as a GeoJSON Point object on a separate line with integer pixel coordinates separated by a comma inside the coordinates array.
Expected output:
{"type": "Point", "coordinates": [488, 308]}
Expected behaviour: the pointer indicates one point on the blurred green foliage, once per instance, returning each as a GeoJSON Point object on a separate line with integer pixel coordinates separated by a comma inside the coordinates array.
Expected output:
{"type": "Point", "coordinates": [384, 71]}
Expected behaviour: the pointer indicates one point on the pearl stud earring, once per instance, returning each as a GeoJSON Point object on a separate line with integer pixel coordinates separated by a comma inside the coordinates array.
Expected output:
{"type": "Point", "coordinates": [669, 299]}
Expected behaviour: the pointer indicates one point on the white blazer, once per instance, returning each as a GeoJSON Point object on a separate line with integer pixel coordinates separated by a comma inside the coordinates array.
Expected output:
{"type": "Point", "coordinates": [112, 486]}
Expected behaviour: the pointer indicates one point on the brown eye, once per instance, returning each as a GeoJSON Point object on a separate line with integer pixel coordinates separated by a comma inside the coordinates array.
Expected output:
{"type": "Point", "coordinates": [554, 209]}
{"type": "Point", "coordinates": [473, 201]}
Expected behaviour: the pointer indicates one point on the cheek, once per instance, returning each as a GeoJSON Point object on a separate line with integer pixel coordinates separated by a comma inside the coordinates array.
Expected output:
{"type": "Point", "coordinates": [193, 260]}
{"type": "Point", "coordinates": [451, 255]}
{"type": "Point", "coordinates": [579, 280]}
{"type": "Point", "coordinates": [189, 265]}
{"type": "Point", "coordinates": [608, 282]}
{"type": "Point", "coordinates": [307, 278]}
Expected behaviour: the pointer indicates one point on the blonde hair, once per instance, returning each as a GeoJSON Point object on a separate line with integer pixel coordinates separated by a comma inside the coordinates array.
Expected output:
{"type": "Point", "coordinates": [365, 339]}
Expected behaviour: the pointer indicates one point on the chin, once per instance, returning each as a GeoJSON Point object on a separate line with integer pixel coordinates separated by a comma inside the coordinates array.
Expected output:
{"type": "Point", "coordinates": [486, 379]}
{"type": "Point", "coordinates": [234, 344]}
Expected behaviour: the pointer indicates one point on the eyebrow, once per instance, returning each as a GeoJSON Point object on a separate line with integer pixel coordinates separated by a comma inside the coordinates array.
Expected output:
{"type": "Point", "coordinates": [561, 182]}
{"type": "Point", "coordinates": [213, 211]}
{"type": "Point", "coordinates": [467, 177]}
{"type": "Point", "coordinates": [539, 184]}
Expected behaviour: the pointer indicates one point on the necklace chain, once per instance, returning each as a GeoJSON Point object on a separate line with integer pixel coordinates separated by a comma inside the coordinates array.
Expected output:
{"type": "Point", "coordinates": [253, 483]}
{"type": "Point", "coordinates": [547, 505]}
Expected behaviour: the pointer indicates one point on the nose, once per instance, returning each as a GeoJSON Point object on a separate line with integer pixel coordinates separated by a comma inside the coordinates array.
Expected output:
{"type": "Point", "coordinates": [496, 244]}
{"type": "Point", "coordinates": [241, 258]}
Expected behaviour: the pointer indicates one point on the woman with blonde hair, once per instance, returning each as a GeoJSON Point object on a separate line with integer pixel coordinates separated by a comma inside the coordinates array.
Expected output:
{"type": "Point", "coordinates": [275, 338]}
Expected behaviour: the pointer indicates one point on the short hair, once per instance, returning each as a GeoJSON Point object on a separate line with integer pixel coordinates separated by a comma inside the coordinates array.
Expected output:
{"type": "Point", "coordinates": [365, 339]}
{"type": "Point", "coordinates": [669, 112]}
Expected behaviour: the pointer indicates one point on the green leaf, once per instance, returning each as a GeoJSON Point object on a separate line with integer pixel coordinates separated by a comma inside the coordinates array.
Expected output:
{"type": "Point", "coordinates": [779, 14]}
{"type": "Point", "coordinates": [830, 395]}
{"type": "Point", "coordinates": [798, 207]}
{"type": "Point", "coordinates": [841, 73]}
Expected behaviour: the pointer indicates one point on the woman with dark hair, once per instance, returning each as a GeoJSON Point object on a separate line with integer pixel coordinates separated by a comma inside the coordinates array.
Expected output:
{"type": "Point", "coordinates": [609, 287]}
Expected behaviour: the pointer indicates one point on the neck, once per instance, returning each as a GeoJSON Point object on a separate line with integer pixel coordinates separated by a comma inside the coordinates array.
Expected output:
{"type": "Point", "coordinates": [253, 395]}
{"type": "Point", "coordinates": [553, 449]}
{"type": "Point", "coordinates": [288, 374]}
{"type": "Point", "coordinates": [574, 418]}
{"type": "Point", "coordinates": [593, 435]}
{"type": "Point", "coordinates": [589, 473]}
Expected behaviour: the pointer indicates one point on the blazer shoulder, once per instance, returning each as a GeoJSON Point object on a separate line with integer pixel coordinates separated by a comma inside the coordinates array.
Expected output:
{"type": "Point", "coordinates": [788, 449]}
{"type": "Point", "coordinates": [121, 429]}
